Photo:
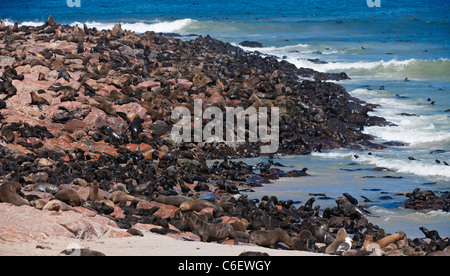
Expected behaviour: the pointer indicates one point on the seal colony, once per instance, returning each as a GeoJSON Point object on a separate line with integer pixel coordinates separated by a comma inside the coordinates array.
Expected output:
{"type": "Point", "coordinates": [86, 120]}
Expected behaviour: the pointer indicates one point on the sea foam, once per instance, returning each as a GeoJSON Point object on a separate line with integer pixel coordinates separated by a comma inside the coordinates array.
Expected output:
{"type": "Point", "coordinates": [138, 27]}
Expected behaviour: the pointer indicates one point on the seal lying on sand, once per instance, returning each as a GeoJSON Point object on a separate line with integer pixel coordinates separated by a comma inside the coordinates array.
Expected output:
{"type": "Point", "coordinates": [269, 238]}
{"type": "Point", "coordinates": [58, 205]}
{"type": "Point", "coordinates": [208, 231]}
{"type": "Point", "coordinates": [198, 205]}
{"type": "Point", "coordinates": [9, 193]}
{"type": "Point", "coordinates": [175, 200]}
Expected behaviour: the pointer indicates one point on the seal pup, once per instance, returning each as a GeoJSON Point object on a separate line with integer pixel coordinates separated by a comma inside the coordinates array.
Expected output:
{"type": "Point", "coordinates": [341, 242]}
{"type": "Point", "coordinates": [9, 193]}
{"type": "Point", "coordinates": [208, 231]}
{"type": "Point", "coordinates": [175, 200]}
{"type": "Point", "coordinates": [69, 196]}
{"type": "Point", "coordinates": [270, 238]}
{"type": "Point", "coordinates": [38, 203]}
{"type": "Point", "coordinates": [119, 196]}
{"type": "Point", "coordinates": [65, 75]}
{"type": "Point", "coordinates": [58, 205]}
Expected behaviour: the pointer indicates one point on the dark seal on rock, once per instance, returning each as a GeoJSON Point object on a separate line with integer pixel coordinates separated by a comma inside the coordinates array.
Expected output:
{"type": "Point", "coordinates": [208, 231]}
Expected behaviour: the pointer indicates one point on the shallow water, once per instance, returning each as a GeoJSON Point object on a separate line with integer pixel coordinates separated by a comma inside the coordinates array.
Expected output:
{"type": "Point", "coordinates": [338, 172]}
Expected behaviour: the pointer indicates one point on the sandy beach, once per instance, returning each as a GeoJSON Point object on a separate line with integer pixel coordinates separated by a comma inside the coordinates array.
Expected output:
{"type": "Point", "coordinates": [149, 245]}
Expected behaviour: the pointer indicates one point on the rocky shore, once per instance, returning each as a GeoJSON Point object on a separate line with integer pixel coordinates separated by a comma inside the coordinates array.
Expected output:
{"type": "Point", "coordinates": [86, 151]}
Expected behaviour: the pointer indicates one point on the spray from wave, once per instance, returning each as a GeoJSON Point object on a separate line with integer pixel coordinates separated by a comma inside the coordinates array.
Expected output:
{"type": "Point", "coordinates": [307, 56]}
{"type": "Point", "coordinates": [392, 162]}
{"type": "Point", "coordinates": [139, 27]}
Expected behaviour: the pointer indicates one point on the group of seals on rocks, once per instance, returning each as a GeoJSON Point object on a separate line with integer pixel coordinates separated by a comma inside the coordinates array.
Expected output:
{"type": "Point", "coordinates": [427, 200]}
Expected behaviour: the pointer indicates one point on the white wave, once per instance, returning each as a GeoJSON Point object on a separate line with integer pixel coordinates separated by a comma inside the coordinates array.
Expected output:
{"type": "Point", "coordinates": [142, 27]}
{"type": "Point", "coordinates": [422, 127]}
{"type": "Point", "coordinates": [417, 167]}
{"type": "Point", "coordinates": [300, 54]}
{"type": "Point", "coordinates": [334, 154]}
{"type": "Point", "coordinates": [407, 133]}
{"type": "Point", "coordinates": [274, 50]}
{"type": "Point", "coordinates": [25, 23]}
{"type": "Point", "coordinates": [409, 221]}
{"type": "Point", "coordinates": [390, 160]}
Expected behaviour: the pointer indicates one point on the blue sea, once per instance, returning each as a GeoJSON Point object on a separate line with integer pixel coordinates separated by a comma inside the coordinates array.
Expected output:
{"type": "Point", "coordinates": [396, 55]}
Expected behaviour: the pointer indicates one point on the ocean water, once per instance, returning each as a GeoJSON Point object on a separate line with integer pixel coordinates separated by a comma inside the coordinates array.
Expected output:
{"type": "Point", "coordinates": [397, 56]}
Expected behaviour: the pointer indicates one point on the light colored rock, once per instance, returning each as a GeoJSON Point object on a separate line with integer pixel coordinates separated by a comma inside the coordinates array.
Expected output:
{"type": "Point", "coordinates": [26, 222]}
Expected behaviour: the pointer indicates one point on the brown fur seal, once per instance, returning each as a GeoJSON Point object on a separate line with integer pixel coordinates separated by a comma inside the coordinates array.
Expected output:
{"type": "Point", "coordinates": [119, 196]}
{"type": "Point", "coordinates": [50, 21]}
{"type": "Point", "coordinates": [175, 200]}
{"type": "Point", "coordinates": [208, 231]}
{"type": "Point", "coordinates": [94, 196]}
{"type": "Point", "coordinates": [93, 192]}
{"type": "Point", "coordinates": [58, 205]}
{"type": "Point", "coordinates": [238, 226]}
{"type": "Point", "coordinates": [339, 241]}
{"type": "Point", "coordinates": [38, 100]}
{"type": "Point", "coordinates": [269, 238]}
{"type": "Point", "coordinates": [69, 196]}
{"type": "Point", "coordinates": [198, 205]}
{"type": "Point", "coordinates": [80, 182]}
{"type": "Point", "coordinates": [9, 193]}
{"type": "Point", "coordinates": [38, 203]}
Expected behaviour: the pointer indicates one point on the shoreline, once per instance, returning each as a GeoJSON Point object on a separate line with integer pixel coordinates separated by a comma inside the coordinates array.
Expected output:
{"type": "Point", "coordinates": [149, 245]}
{"type": "Point", "coordinates": [99, 117]}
